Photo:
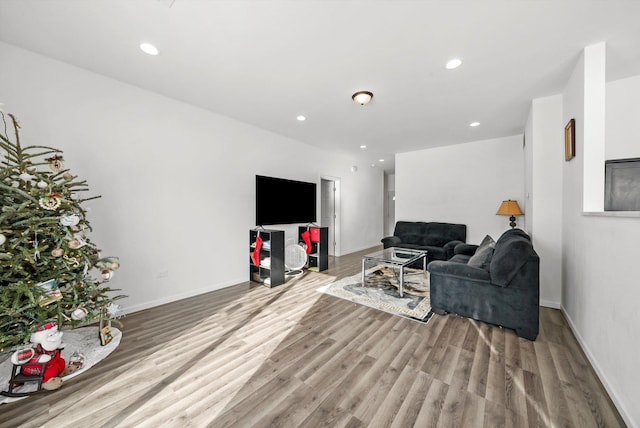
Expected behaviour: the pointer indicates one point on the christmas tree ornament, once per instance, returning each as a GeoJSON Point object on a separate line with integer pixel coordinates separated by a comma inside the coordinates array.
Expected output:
{"type": "Point", "coordinates": [50, 202]}
{"type": "Point", "coordinates": [114, 311]}
{"type": "Point", "coordinates": [3, 239]}
{"type": "Point", "coordinates": [73, 261]}
{"type": "Point", "coordinates": [56, 163]}
{"type": "Point", "coordinates": [67, 176]}
{"type": "Point", "coordinates": [74, 244]}
{"type": "Point", "coordinates": [25, 176]}
{"type": "Point", "coordinates": [42, 184]}
{"type": "Point", "coordinates": [106, 274]}
{"type": "Point", "coordinates": [36, 251]}
{"type": "Point", "coordinates": [81, 241]}
{"type": "Point", "coordinates": [114, 265]}
{"type": "Point", "coordinates": [79, 313]}
{"type": "Point", "coordinates": [57, 252]}
{"type": "Point", "coordinates": [69, 220]}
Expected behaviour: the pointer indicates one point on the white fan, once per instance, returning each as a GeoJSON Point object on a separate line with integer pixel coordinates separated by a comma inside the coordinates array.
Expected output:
{"type": "Point", "coordinates": [295, 257]}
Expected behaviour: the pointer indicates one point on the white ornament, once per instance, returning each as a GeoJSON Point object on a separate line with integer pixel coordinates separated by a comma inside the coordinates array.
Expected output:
{"type": "Point", "coordinates": [79, 314]}
{"type": "Point", "coordinates": [106, 274]}
{"type": "Point", "coordinates": [3, 239]}
{"type": "Point", "coordinates": [69, 220]}
{"type": "Point", "coordinates": [25, 176]}
{"type": "Point", "coordinates": [114, 311]}
{"type": "Point", "coordinates": [42, 184]}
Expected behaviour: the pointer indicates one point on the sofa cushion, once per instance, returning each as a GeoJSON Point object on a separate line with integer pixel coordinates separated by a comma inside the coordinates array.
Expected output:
{"type": "Point", "coordinates": [460, 258]}
{"type": "Point", "coordinates": [482, 257]}
{"type": "Point", "coordinates": [438, 234]}
{"type": "Point", "coordinates": [435, 253]}
{"type": "Point", "coordinates": [508, 257]}
{"type": "Point", "coordinates": [412, 238]}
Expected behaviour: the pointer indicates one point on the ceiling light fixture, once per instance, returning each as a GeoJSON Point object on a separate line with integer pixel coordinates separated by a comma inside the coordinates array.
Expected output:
{"type": "Point", "coordinates": [363, 146]}
{"type": "Point", "coordinates": [149, 49]}
{"type": "Point", "coordinates": [454, 63]}
{"type": "Point", "coordinates": [474, 124]}
{"type": "Point", "coordinates": [381, 160]}
{"type": "Point", "coordinates": [301, 118]}
{"type": "Point", "coordinates": [362, 97]}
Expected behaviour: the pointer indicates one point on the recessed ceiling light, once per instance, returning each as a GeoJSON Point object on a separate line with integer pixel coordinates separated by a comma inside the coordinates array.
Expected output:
{"type": "Point", "coordinates": [373, 165]}
{"type": "Point", "coordinates": [363, 146]}
{"type": "Point", "coordinates": [454, 63]}
{"type": "Point", "coordinates": [149, 49]}
{"type": "Point", "coordinates": [301, 118]}
{"type": "Point", "coordinates": [380, 160]}
{"type": "Point", "coordinates": [474, 124]}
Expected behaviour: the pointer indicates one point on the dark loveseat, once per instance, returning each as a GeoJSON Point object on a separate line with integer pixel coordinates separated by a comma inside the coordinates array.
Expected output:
{"type": "Point", "coordinates": [497, 285]}
{"type": "Point", "coordinates": [438, 239]}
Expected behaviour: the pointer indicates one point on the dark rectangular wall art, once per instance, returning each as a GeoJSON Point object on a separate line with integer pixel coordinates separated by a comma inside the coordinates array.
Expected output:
{"type": "Point", "coordinates": [622, 185]}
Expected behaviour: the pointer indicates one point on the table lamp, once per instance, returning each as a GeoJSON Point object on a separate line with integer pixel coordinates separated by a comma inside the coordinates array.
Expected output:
{"type": "Point", "coordinates": [512, 209]}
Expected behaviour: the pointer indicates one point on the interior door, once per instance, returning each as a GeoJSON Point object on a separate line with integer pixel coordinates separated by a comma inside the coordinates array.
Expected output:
{"type": "Point", "coordinates": [328, 211]}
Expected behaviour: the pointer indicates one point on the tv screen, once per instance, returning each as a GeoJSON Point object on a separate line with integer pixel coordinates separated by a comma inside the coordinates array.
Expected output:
{"type": "Point", "coordinates": [622, 185]}
{"type": "Point", "coordinates": [281, 201]}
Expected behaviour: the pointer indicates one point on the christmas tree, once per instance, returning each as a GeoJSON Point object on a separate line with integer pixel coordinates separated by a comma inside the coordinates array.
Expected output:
{"type": "Point", "coordinates": [49, 268]}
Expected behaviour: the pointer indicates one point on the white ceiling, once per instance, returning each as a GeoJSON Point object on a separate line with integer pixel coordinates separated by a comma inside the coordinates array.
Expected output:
{"type": "Point", "coordinates": [265, 62]}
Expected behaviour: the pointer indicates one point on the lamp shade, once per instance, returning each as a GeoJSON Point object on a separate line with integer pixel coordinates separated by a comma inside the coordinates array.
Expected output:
{"type": "Point", "coordinates": [510, 208]}
{"type": "Point", "coordinates": [362, 97]}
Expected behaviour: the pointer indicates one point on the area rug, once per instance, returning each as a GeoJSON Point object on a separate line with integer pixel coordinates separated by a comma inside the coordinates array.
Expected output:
{"type": "Point", "coordinates": [82, 340]}
{"type": "Point", "coordinates": [381, 292]}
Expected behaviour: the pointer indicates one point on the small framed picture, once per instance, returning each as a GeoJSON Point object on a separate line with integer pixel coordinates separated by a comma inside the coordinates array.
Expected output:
{"type": "Point", "coordinates": [49, 292]}
{"type": "Point", "coordinates": [570, 140]}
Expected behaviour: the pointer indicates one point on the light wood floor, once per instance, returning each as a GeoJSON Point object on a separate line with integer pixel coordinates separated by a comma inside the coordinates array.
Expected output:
{"type": "Point", "coordinates": [250, 356]}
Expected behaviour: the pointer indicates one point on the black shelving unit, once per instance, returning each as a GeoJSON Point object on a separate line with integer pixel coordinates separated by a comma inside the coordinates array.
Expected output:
{"type": "Point", "coordinates": [270, 271]}
{"type": "Point", "coordinates": [318, 259]}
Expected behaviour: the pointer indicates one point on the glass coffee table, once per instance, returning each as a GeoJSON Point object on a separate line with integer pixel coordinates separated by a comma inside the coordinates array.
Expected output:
{"type": "Point", "coordinates": [395, 257]}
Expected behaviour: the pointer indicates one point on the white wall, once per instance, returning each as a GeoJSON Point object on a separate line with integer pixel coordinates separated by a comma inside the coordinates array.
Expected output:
{"type": "Point", "coordinates": [463, 183]}
{"type": "Point", "coordinates": [177, 182]}
{"type": "Point", "coordinates": [544, 155]}
{"type": "Point", "coordinates": [623, 119]}
{"type": "Point", "coordinates": [600, 272]}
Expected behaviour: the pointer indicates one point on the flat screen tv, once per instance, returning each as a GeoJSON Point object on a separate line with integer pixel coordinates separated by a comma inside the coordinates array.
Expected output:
{"type": "Point", "coordinates": [282, 201]}
{"type": "Point", "coordinates": [622, 185]}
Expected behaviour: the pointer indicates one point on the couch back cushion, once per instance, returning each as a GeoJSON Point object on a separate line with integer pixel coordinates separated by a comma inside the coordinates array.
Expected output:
{"type": "Point", "coordinates": [438, 234]}
{"type": "Point", "coordinates": [512, 251]}
{"type": "Point", "coordinates": [411, 232]}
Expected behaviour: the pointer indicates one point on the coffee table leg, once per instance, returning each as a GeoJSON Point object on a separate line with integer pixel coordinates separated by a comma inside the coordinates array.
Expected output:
{"type": "Point", "coordinates": [401, 279]}
{"type": "Point", "coordinates": [363, 262]}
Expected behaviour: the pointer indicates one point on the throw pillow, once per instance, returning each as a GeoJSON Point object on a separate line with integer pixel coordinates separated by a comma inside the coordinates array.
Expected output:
{"type": "Point", "coordinates": [484, 253]}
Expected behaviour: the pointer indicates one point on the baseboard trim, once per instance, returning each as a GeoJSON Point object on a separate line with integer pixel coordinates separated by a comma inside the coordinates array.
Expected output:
{"type": "Point", "coordinates": [601, 375]}
{"type": "Point", "coordinates": [550, 304]}
{"type": "Point", "coordinates": [176, 297]}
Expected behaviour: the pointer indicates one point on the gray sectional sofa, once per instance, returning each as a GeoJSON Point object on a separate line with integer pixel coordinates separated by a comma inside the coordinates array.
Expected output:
{"type": "Point", "coordinates": [438, 239]}
{"type": "Point", "coordinates": [495, 282]}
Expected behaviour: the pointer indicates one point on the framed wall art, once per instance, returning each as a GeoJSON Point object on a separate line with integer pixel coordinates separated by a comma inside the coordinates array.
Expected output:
{"type": "Point", "coordinates": [570, 140]}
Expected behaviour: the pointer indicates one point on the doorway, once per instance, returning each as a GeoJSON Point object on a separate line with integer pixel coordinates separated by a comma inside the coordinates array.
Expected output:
{"type": "Point", "coordinates": [330, 209]}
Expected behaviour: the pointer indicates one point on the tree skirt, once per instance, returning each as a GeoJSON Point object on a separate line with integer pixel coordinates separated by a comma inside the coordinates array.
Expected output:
{"type": "Point", "coordinates": [83, 340]}
{"type": "Point", "coordinates": [381, 292]}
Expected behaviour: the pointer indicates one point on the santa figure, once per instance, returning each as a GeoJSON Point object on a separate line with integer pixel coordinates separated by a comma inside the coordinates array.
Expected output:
{"type": "Point", "coordinates": [48, 342]}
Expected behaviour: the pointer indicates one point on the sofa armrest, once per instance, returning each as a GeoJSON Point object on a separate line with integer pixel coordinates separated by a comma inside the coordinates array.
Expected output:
{"type": "Point", "coordinates": [465, 249]}
{"type": "Point", "coordinates": [391, 241]}
{"type": "Point", "coordinates": [449, 248]}
{"type": "Point", "coordinates": [460, 270]}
